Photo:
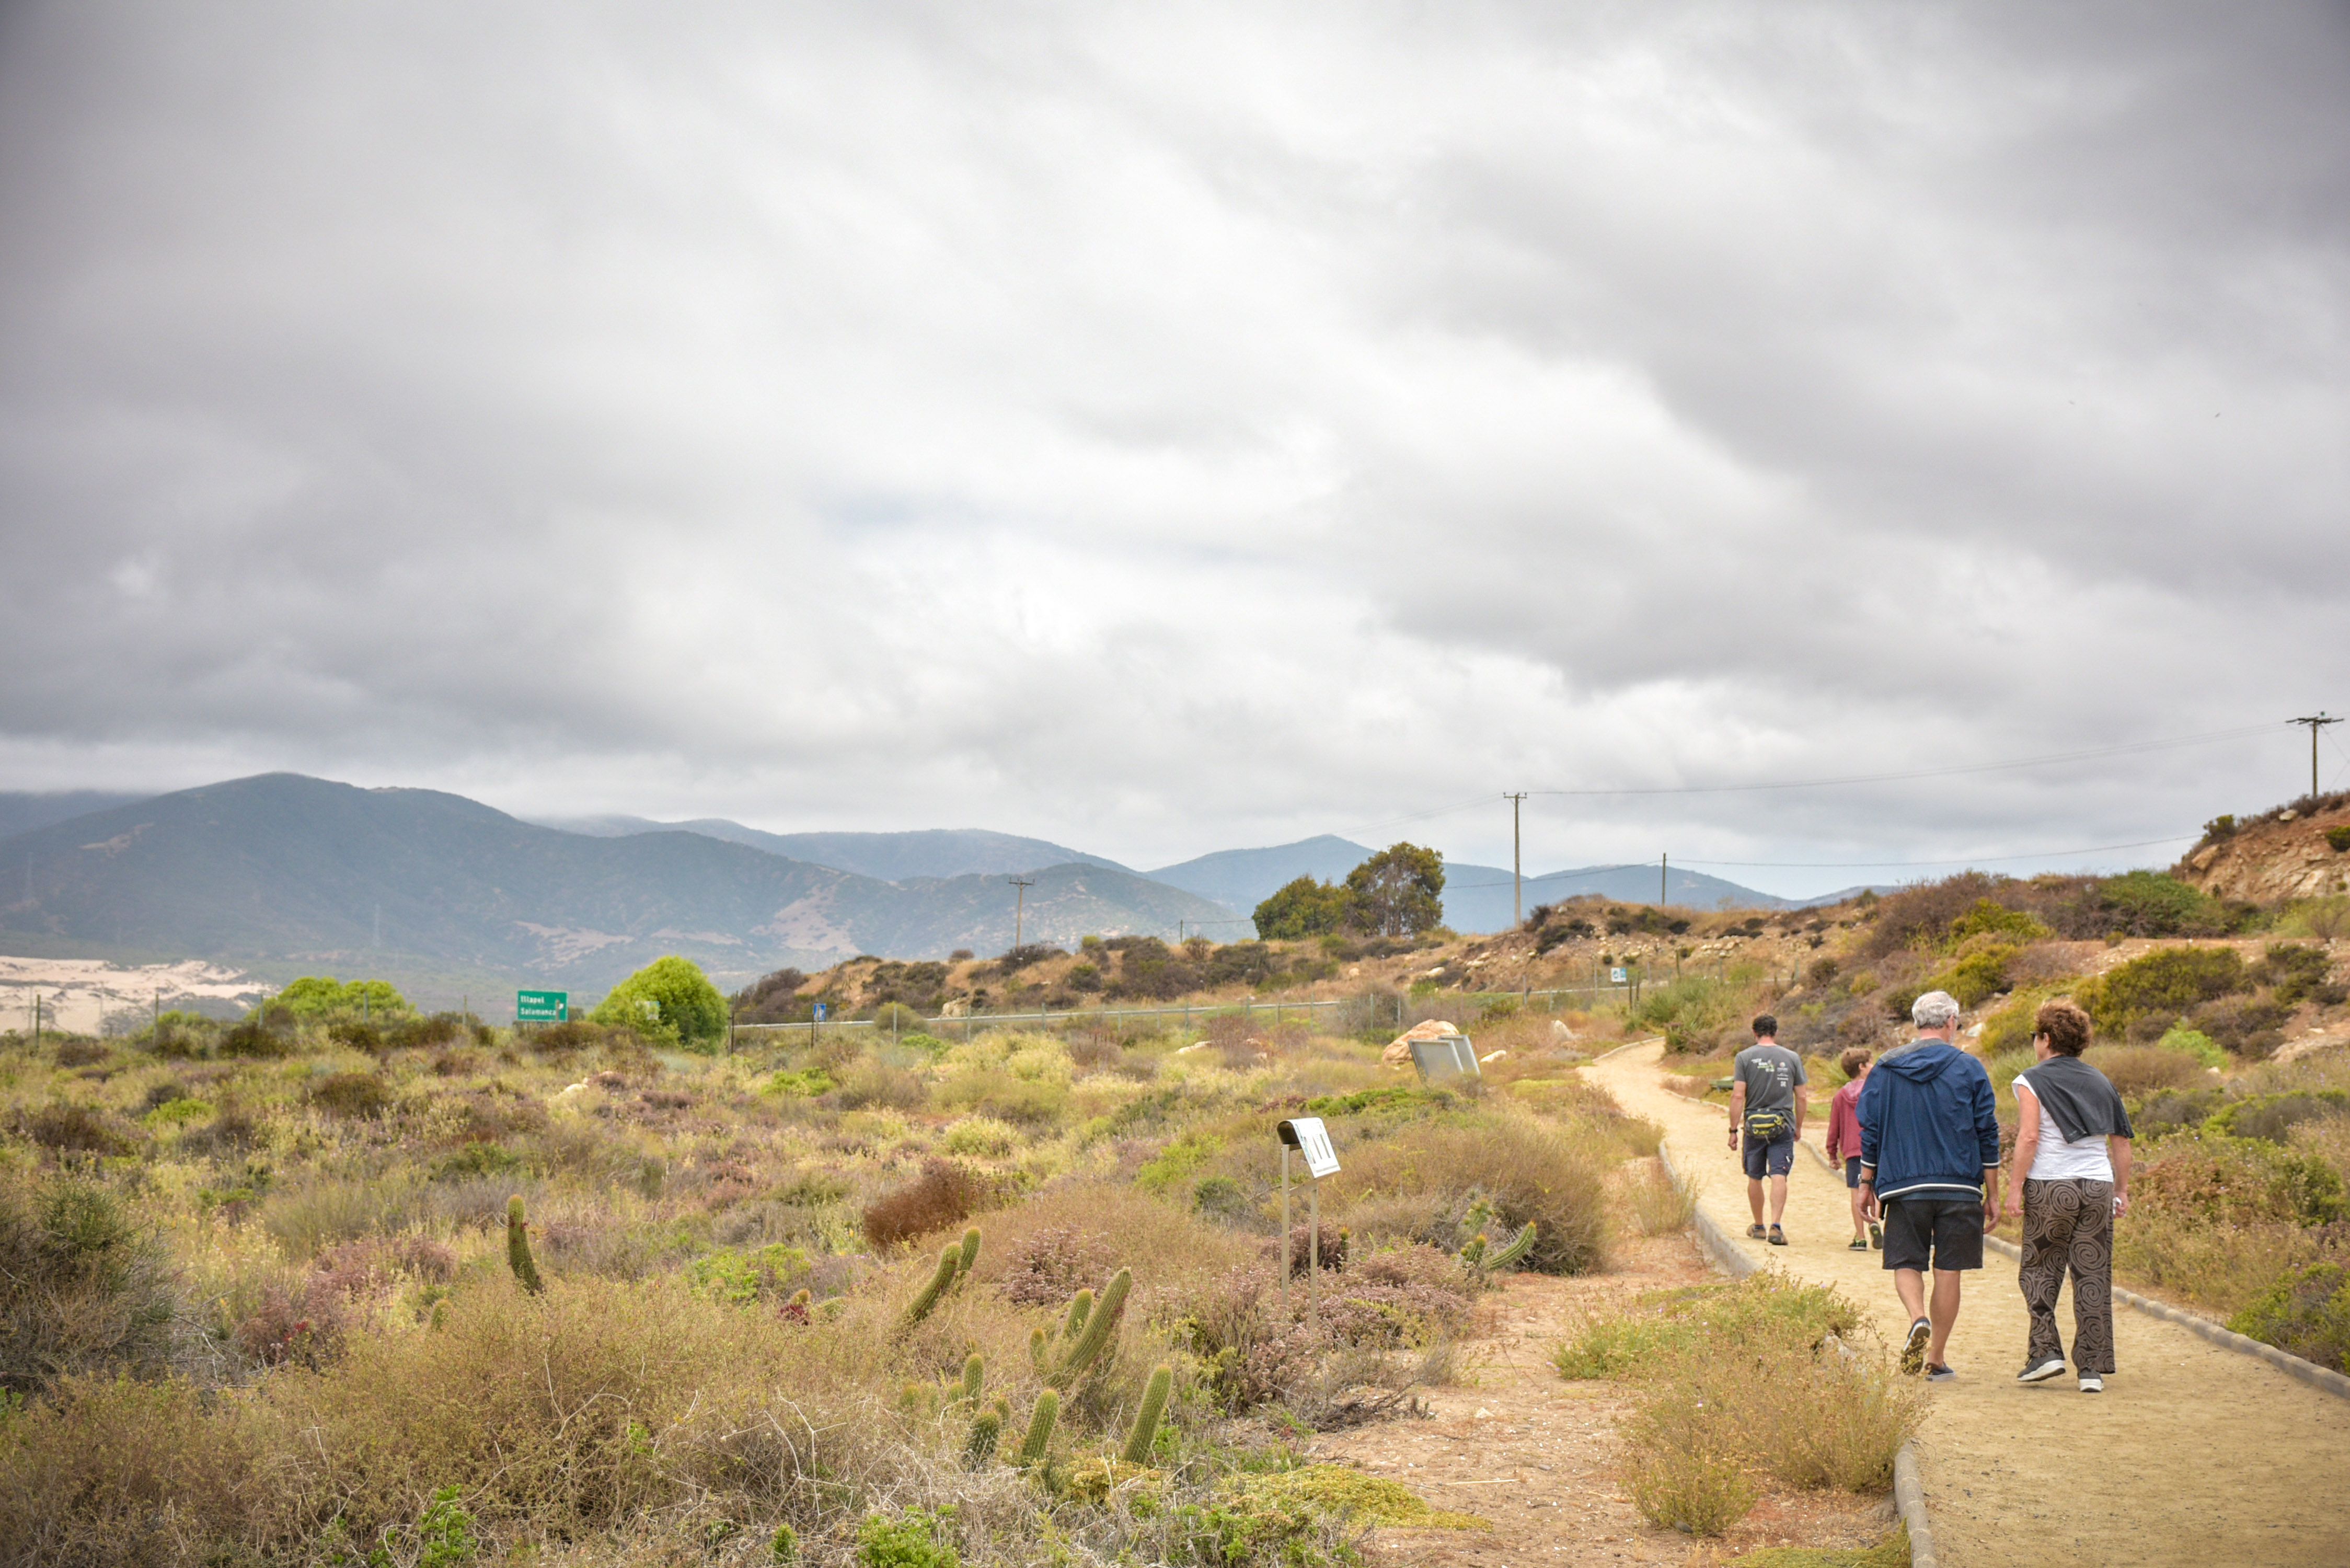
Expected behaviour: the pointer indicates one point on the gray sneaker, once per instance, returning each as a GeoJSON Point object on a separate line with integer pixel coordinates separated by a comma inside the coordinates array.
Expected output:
{"type": "Point", "coordinates": [2051, 1368]}
{"type": "Point", "coordinates": [1938, 1374]}
{"type": "Point", "coordinates": [2091, 1384]}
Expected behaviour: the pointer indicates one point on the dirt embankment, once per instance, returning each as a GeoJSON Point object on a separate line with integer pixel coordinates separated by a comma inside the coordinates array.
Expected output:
{"type": "Point", "coordinates": [2282, 855]}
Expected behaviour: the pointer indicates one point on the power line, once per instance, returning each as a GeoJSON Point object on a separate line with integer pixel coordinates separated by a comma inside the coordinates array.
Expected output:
{"type": "Point", "coordinates": [2122, 750]}
{"type": "Point", "coordinates": [1955, 860]}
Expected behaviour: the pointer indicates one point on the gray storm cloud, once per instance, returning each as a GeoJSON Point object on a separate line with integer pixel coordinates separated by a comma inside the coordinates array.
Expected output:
{"type": "Point", "coordinates": [1167, 428]}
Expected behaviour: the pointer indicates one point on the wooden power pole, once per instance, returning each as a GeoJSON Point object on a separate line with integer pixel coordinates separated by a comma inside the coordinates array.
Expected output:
{"type": "Point", "coordinates": [1019, 904]}
{"type": "Point", "coordinates": [1517, 865]}
{"type": "Point", "coordinates": [2316, 721]}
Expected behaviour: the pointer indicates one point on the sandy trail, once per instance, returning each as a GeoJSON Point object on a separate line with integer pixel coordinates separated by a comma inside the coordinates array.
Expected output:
{"type": "Point", "coordinates": [2194, 1454]}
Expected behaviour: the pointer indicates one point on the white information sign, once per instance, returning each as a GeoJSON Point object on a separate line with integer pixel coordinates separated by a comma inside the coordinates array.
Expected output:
{"type": "Point", "coordinates": [1309, 1137]}
{"type": "Point", "coordinates": [1615, 976]}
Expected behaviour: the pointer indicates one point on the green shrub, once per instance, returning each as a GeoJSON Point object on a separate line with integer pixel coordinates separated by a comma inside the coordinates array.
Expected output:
{"type": "Point", "coordinates": [1506, 1171]}
{"type": "Point", "coordinates": [355, 1094]}
{"type": "Point", "coordinates": [1988, 919]}
{"type": "Point", "coordinates": [2338, 838]}
{"type": "Point", "coordinates": [2272, 1116]}
{"type": "Point", "coordinates": [1669, 1323]}
{"type": "Point", "coordinates": [2306, 1313]}
{"type": "Point", "coordinates": [916, 1538]}
{"type": "Point", "coordinates": [2194, 1043]}
{"type": "Point", "coordinates": [1688, 1011]}
{"type": "Point", "coordinates": [2217, 1180]}
{"type": "Point", "coordinates": [2297, 972]}
{"type": "Point", "coordinates": [2166, 982]}
{"type": "Point", "coordinates": [82, 1288]}
{"type": "Point", "coordinates": [1976, 978]}
{"type": "Point", "coordinates": [670, 998]}
{"type": "Point", "coordinates": [2151, 904]}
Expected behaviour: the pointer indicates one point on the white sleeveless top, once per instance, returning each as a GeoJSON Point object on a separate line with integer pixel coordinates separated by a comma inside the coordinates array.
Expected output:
{"type": "Point", "coordinates": [2057, 1160]}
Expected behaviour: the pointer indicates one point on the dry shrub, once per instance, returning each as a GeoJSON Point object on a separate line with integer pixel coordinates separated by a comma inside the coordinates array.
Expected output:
{"type": "Point", "coordinates": [76, 1130]}
{"type": "Point", "coordinates": [1661, 1203]}
{"type": "Point", "coordinates": [82, 1052]}
{"type": "Point", "coordinates": [83, 1288]}
{"type": "Point", "coordinates": [1170, 1249]}
{"type": "Point", "coordinates": [1513, 1167]}
{"type": "Point", "coordinates": [1048, 1266]}
{"type": "Point", "coordinates": [865, 1084]}
{"type": "Point", "coordinates": [301, 1323]}
{"type": "Point", "coordinates": [2140, 1070]}
{"type": "Point", "coordinates": [945, 1194]}
{"type": "Point", "coordinates": [354, 1094]}
{"type": "Point", "coordinates": [370, 1266]}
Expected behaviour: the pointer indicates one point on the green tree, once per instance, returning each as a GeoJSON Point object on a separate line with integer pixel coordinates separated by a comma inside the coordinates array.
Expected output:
{"type": "Point", "coordinates": [1305, 907]}
{"type": "Point", "coordinates": [1396, 892]}
{"type": "Point", "coordinates": [672, 999]}
{"type": "Point", "coordinates": [324, 996]}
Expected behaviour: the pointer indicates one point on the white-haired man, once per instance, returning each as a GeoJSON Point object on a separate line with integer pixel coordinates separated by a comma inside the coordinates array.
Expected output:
{"type": "Point", "coordinates": [1929, 1168]}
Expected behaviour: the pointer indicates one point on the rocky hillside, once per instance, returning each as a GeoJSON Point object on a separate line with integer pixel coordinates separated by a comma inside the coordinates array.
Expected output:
{"type": "Point", "coordinates": [2297, 851]}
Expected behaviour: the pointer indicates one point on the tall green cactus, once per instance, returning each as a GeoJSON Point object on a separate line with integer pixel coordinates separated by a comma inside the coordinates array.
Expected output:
{"type": "Point", "coordinates": [518, 1257]}
{"type": "Point", "coordinates": [1080, 1305]}
{"type": "Point", "coordinates": [1512, 1253]}
{"type": "Point", "coordinates": [1146, 1419]}
{"type": "Point", "coordinates": [1040, 1350]}
{"type": "Point", "coordinates": [986, 1431]}
{"type": "Point", "coordinates": [1100, 1325]}
{"type": "Point", "coordinates": [970, 1255]}
{"type": "Point", "coordinates": [1040, 1429]}
{"type": "Point", "coordinates": [974, 1377]}
{"type": "Point", "coordinates": [940, 1278]}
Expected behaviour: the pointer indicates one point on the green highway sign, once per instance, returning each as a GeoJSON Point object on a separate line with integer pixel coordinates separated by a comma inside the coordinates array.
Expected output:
{"type": "Point", "coordinates": [542, 1006]}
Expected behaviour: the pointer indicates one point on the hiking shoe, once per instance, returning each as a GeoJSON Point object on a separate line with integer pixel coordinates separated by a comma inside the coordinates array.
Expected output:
{"type": "Point", "coordinates": [1778, 1237]}
{"type": "Point", "coordinates": [2051, 1368]}
{"type": "Point", "coordinates": [1755, 1231]}
{"type": "Point", "coordinates": [1938, 1374]}
{"type": "Point", "coordinates": [2091, 1384]}
{"type": "Point", "coordinates": [1877, 1235]}
{"type": "Point", "coordinates": [1913, 1349]}
{"type": "Point", "coordinates": [1858, 1244]}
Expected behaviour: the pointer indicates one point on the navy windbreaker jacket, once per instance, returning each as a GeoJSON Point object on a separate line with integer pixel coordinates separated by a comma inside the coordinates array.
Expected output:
{"type": "Point", "coordinates": [1929, 1125]}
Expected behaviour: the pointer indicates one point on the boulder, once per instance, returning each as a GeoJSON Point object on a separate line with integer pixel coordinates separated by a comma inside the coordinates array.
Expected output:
{"type": "Point", "coordinates": [1398, 1051]}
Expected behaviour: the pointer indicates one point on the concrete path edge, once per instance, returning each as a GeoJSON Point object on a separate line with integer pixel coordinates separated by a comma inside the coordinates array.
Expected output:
{"type": "Point", "coordinates": [1908, 1492]}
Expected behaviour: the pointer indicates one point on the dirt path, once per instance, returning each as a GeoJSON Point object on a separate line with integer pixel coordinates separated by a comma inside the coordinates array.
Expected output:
{"type": "Point", "coordinates": [1516, 1445]}
{"type": "Point", "coordinates": [2193, 1454]}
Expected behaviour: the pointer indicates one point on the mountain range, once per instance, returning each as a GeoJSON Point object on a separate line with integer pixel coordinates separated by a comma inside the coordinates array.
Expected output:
{"type": "Point", "coordinates": [284, 875]}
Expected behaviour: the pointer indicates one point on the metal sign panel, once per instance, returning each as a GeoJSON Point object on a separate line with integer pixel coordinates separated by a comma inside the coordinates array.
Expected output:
{"type": "Point", "coordinates": [820, 1012]}
{"type": "Point", "coordinates": [1616, 975]}
{"type": "Point", "coordinates": [1444, 1058]}
{"type": "Point", "coordinates": [542, 1006]}
{"type": "Point", "coordinates": [1309, 1137]}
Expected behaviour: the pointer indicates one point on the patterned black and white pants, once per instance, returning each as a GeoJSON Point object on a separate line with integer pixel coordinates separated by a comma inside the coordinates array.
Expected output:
{"type": "Point", "coordinates": [2070, 1225]}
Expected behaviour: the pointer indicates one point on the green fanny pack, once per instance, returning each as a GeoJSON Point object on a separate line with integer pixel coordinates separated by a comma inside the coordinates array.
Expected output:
{"type": "Point", "coordinates": [1769, 1127]}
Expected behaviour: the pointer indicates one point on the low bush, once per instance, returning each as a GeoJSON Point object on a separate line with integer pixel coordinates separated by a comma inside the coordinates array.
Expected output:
{"type": "Point", "coordinates": [2166, 982]}
{"type": "Point", "coordinates": [1510, 1171]}
{"type": "Point", "coordinates": [357, 1095]}
{"type": "Point", "coordinates": [2251, 1027]}
{"type": "Point", "coordinates": [2306, 1313]}
{"type": "Point", "coordinates": [2297, 973]}
{"type": "Point", "coordinates": [70, 1128]}
{"type": "Point", "coordinates": [2140, 1070]}
{"type": "Point", "coordinates": [945, 1195]}
{"type": "Point", "coordinates": [1661, 1204]}
{"type": "Point", "coordinates": [83, 1288]}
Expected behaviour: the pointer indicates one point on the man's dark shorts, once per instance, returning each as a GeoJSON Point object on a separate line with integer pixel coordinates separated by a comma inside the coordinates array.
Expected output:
{"type": "Point", "coordinates": [1776, 1157]}
{"type": "Point", "coordinates": [1852, 1170]}
{"type": "Point", "coordinates": [1949, 1228]}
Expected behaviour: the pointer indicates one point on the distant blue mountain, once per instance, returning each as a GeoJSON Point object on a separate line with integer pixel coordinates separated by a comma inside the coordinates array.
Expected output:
{"type": "Point", "coordinates": [1241, 879]}
{"type": "Point", "coordinates": [891, 856]}
{"type": "Point", "coordinates": [21, 813]}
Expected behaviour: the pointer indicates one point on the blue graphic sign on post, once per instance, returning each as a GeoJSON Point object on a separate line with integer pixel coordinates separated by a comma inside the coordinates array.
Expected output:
{"type": "Point", "coordinates": [819, 1013]}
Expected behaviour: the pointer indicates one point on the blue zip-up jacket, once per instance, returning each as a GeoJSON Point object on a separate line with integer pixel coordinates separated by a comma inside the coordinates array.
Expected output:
{"type": "Point", "coordinates": [1929, 1124]}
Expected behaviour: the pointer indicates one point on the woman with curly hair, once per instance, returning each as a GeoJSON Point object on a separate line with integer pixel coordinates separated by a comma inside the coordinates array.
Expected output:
{"type": "Point", "coordinates": [2072, 1155]}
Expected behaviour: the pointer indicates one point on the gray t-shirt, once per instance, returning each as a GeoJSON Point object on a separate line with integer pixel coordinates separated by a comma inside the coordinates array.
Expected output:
{"type": "Point", "coordinates": [1770, 1074]}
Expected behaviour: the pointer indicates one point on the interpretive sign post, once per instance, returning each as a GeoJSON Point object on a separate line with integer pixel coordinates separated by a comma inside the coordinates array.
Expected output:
{"type": "Point", "coordinates": [542, 1006]}
{"type": "Point", "coordinates": [1311, 1139]}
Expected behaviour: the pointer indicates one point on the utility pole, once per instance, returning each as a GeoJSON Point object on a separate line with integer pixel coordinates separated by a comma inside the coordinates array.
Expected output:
{"type": "Point", "coordinates": [1664, 863]}
{"type": "Point", "coordinates": [1517, 868]}
{"type": "Point", "coordinates": [1019, 904]}
{"type": "Point", "coordinates": [2316, 721]}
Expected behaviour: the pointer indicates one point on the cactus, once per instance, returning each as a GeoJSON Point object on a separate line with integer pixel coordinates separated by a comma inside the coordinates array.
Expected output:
{"type": "Point", "coordinates": [1040, 1351]}
{"type": "Point", "coordinates": [1511, 1252]}
{"type": "Point", "coordinates": [1145, 1420]}
{"type": "Point", "coordinates": [518, 1257]}
{"type": "Point", "coordinates": [940, 1278]}
{"type": "Point", "coordinates": [1080, 1306]}
{"type": "Point", "coordinates": [986, 1431]}
{"type": "Point", "coordinates": [1100, 1325]}
{"type": "Point", "coordinates": [1040, 1429]}
{"type": "Point", "coordinates": [970, 1254]}
{"type": "Point", "coordinates": [974, 1377]}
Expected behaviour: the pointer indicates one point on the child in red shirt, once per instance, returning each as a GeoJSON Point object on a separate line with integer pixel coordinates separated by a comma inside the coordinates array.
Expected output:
{"type": "Point", "coordinates": [1844, 1143]}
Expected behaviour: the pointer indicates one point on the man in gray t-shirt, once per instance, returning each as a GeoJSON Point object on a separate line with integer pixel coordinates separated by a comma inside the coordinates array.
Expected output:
{"type": "Point", "coordinates": [1767, 1110]}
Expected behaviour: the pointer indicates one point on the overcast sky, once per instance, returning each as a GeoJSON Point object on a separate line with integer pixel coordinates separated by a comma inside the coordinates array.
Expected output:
{"type": "Point", "coordinates": [1165, 428]}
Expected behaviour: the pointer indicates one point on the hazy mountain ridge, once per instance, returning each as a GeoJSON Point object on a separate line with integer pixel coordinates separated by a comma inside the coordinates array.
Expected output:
{"type": "Point", "coordinates": [933, 852]}
{"type": "Point", "coordinates": [284, 873]}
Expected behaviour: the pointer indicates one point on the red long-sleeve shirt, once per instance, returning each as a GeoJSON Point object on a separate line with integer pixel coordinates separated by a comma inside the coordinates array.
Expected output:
{"type": "Point", "coordinates": [1844, 1122]}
